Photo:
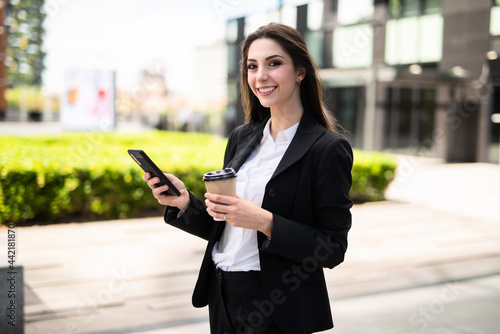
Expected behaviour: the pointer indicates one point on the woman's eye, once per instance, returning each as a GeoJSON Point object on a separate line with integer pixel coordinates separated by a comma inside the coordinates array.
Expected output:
{"type": "Point", "coordinates": [251, 67]}
{"type": "Point", "coordinates": [274, 63]}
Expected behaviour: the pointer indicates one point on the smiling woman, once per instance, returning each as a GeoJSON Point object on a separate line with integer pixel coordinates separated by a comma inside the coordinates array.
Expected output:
{"type": "Point", "coordinates": [267, 247]}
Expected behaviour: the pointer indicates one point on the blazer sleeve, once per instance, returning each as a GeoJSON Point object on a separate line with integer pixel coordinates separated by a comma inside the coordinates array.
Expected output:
{"type": "Point", "coordinates": [195, 220]}
{"type": "Point", "coordinates": [322, 241]}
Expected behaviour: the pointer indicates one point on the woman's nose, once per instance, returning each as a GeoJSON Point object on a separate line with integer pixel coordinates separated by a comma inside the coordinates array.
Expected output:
{"type": "Point", "coordinates": [262, 74]}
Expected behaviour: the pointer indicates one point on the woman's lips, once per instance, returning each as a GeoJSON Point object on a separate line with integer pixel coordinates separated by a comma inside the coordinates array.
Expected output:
{"type": "Point", "coordinates": [264, 91]}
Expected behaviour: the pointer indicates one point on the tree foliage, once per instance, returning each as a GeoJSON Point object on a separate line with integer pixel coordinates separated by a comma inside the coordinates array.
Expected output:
{"type": "Point", "coordinates": [25, 54]}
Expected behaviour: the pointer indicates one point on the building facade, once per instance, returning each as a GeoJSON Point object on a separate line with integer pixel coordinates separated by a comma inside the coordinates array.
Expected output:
{"type": "Point", "coordinates": [418, 77]}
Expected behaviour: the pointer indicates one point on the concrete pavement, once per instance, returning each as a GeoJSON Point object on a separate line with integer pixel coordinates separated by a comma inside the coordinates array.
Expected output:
{"type": "Point", "coordinates": [422, 262]}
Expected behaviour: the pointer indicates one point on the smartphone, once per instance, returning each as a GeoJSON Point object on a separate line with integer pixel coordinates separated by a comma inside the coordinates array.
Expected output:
{"type": "Point", "coordinates": [148, 165]}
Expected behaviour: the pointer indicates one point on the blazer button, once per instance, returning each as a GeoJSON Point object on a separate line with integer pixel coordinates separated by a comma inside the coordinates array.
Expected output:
{"type": "Point", "coordinates": [271, 192]}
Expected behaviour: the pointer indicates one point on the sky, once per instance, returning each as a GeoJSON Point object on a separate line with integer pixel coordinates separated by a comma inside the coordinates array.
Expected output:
{"type": "Point", "coordinates": [129, 35]}
{"type": "Point", "coordinates": [126, 36]}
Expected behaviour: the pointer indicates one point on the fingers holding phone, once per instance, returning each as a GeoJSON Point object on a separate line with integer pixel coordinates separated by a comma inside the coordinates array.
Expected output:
{"type": "Point", "coordinates": [165, 186]}
{"type": "Point", "coordinates": [160, 192]}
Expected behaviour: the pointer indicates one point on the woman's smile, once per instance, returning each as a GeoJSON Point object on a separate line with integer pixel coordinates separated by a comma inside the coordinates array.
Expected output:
{"type": "Point", "coordinates": [265, 91]}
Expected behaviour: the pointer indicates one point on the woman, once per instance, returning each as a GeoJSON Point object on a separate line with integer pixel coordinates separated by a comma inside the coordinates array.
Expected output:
{"type": "Point", "coordinates": [263, 267]}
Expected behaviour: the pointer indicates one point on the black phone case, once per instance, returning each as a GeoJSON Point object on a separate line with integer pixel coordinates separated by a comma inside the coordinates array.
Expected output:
{"type": "Point", "coordinates": [147, 165]}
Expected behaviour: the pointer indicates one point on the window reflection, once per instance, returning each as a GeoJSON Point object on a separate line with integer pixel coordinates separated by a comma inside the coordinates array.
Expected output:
{"type": "Point", "coordinates": [414, 40]}
{"type": "Point", "coordinates": [495, 21]}
{"type": "Point", "coordinates": [289, 16]}
{"type": "Point", "coordinates": [354, 11]}
{"type": "Point", "coordinates": [410, 8]}
{"type": "Point", "coordinates": [315, 15]}
{"type": "Point", "coordinates": [353, 46]}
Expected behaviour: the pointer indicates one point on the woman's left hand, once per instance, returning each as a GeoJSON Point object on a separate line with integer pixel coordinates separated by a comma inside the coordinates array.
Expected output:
{"type": "Point", "coordinates": [239, 212]}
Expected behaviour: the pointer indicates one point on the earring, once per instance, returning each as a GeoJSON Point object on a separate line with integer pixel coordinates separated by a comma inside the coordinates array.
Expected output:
{"type": "Point", "coordinates": [299, 82]}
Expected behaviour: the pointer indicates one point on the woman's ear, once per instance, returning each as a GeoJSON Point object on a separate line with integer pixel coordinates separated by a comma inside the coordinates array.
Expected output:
{"type": "Point", "coordinates": [301, 74]}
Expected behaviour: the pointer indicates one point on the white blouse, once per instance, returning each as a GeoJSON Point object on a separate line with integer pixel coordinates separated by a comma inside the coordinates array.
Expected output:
{"type": "Point", "coordinates": [237, 249]}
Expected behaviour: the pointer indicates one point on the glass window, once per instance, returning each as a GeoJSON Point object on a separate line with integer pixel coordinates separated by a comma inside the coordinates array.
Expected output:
{"type": "Point", "coordinates": [354, 11]}
{"type": "Point", "coordinates": [409, 119]}
{"type": "Point", "coordinates": [401, 41]}
{"type": "Point", "coordinates": [314, 41]}
{"type": "Point", "coordinates": [392, 42]}
{"type": "Point", "coordinates": [494, 145]}
{"type": "Point", "coordinates": [347, 105]}
{"type": "Point", "coordinates": [408, 36]}
{"type": "Point", "coordinates": [431, 7]}
{"type": "Point", "coordinates": [232, 31]}
{"type": "Point", "coordinates": [395, 8]}
{"type": "Point", "coordinates": [426, 118]}
{"type": "Point", "coordinates": [495, 21]}
{"type": "Point", "coordinates": [404, 131]}
{"type": "Point", "coordinates": [414, 40]}
{"type": "Point", "coordinates": [410, 8]}
{"type": "Point", "coordinates": [232, 59]}
{"type": "Point", "coordinates": [315, 15]}
{"type": "Point", "coordinates": [497, 2]}
{"type": "Point", "coordinates": [430, 38]}
{"type": "Point", "coordinates": [353, 46]}
{"type": "Point", "coordinates": [289, 16]}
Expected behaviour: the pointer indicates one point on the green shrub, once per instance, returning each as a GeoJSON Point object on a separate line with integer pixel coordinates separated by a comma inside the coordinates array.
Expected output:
{"type": "Point", "coordinates": [46, 179]}
{"type": "Point", "coordinates": [90, 175]}
{"type": "Point", "coordinates": [372, 173]}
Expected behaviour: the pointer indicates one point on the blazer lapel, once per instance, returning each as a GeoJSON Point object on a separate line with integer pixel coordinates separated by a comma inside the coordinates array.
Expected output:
{"type": "Point", "coordinates": [248, 141]}
{"type": "Point", "coordinates": [307, 133]}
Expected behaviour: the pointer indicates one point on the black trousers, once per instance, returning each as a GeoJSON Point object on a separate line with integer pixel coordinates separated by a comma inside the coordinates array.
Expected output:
{"type": "Point", "coordinates": [237, 304]}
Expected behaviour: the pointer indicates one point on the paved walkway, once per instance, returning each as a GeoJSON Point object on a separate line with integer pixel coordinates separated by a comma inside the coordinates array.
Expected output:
{"type": "Point", "coordinates": [425, 261]}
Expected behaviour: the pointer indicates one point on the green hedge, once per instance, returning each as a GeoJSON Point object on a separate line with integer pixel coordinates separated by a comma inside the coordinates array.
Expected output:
{"type": "Point", "coordinates": [91, 176]}
{"type": "Point", "coordinates": [45, 179]}
{"type": "Point", "coordinates": [371, 175]}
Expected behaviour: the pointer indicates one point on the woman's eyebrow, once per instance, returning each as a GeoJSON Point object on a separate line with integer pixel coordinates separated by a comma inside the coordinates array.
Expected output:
{"type": "Point", "coordinates": [270, 57]}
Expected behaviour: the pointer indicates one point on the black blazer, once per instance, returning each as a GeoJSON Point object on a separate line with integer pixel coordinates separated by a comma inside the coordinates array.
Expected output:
{"type": "Point", "coordinates": [308, 195]}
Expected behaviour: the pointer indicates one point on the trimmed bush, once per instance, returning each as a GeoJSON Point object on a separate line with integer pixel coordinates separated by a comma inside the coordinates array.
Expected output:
{"type": "Point", "coordinates": [91, 176]}
{"type": "Point", "coordinates": [85, 176]}
{"type": "Point", "coordinates": [372, 173]}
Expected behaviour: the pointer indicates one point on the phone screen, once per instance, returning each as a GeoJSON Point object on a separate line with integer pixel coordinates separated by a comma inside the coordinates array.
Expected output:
{"type": "Point", "coordinates": [147, 165]}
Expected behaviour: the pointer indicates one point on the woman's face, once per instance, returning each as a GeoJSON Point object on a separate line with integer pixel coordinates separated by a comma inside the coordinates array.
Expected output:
{"type": "Point", "coordinates": [272, 77]}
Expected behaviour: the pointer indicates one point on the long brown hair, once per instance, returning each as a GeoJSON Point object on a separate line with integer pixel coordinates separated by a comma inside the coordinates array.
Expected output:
{"type": "Point", "coordinates": [311, 88]}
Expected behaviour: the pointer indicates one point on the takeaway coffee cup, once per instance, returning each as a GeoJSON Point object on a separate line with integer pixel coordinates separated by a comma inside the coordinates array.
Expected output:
{"type": "Point", "coordinates": [221, 182]}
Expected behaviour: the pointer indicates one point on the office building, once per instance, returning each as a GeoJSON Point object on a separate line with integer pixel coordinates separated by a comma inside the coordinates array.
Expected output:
{"type": "Point", "coordinates": [418, 77]}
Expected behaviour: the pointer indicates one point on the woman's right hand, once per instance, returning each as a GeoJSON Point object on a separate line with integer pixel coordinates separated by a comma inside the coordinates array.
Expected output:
{"type": "Point", "coordinates": [181, 202]}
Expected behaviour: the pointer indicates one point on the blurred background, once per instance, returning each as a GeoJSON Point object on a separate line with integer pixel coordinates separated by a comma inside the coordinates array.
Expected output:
{"type": "Point", "coordinates": [407, 76]}
{"type": "Point", "coordinates": [414, 83]}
